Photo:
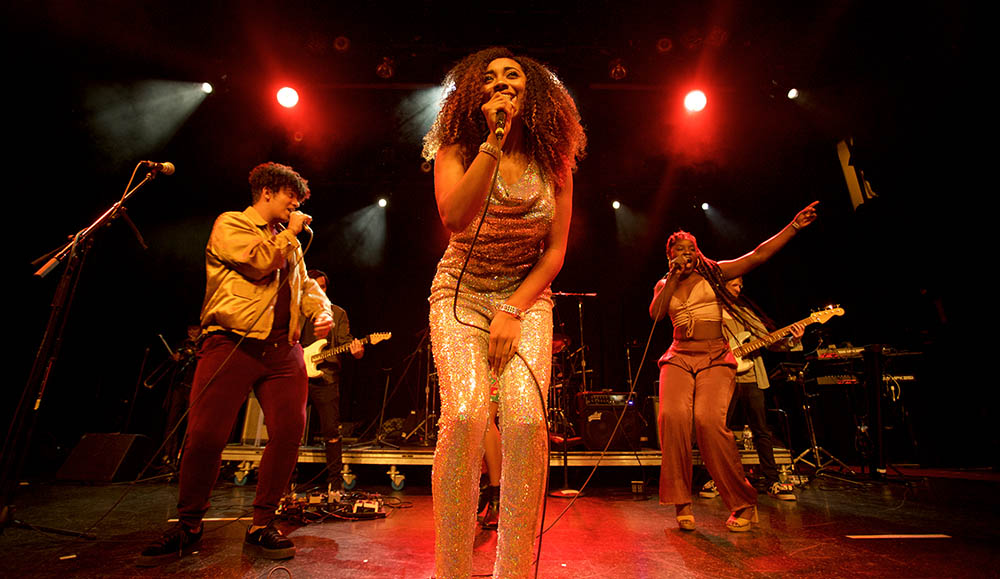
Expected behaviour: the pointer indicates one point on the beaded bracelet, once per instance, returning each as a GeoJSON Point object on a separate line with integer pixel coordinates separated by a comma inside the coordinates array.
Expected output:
{"type": "Point", "coordinates": [509, 309]}
{"type": "Point", "coordinates": [489, 150]}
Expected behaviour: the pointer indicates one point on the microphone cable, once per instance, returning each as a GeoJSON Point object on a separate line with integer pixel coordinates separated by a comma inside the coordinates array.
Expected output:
{"type": "Point", "coordinates": [538, 385]}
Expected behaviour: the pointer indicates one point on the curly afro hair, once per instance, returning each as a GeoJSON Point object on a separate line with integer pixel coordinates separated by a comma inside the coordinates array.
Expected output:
{"type": "Point", "coordinates": [554, 135]}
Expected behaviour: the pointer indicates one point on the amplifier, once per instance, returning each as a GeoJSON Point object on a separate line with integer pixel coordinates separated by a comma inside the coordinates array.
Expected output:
{"type": "Point", "coordinates": [601, 398]}
{"type": "Point", "coordinates": [255, 431]}
{"type": "Point", "coordinates": [599, 413]}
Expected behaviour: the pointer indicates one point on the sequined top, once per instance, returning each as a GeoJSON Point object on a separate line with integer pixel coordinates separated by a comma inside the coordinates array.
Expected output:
{"type": "Point", "coordinates": [509, 245]}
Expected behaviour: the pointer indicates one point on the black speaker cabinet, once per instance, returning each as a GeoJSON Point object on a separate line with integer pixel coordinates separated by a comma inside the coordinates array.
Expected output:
{"type": "Point", "coordinates": [106, 457]}
{"type": "Point", "coordinates": [598, 414]}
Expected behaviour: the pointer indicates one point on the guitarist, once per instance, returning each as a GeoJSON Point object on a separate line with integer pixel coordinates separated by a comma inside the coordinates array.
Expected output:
{"type": "Point", "coordinates": [324, 391]}
{"type": "Point", "coordinates": [748, 395]}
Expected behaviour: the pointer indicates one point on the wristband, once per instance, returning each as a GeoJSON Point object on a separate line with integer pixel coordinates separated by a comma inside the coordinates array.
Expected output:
{"type": "Point", "coordinates": [509, 309]}
{"type": "Point", "coordinates": [489, 150]}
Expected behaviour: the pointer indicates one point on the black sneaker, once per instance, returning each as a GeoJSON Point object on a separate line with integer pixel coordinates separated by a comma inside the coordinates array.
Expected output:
{"type": "Point", "coordinates": [269, 543]}
{"type": "Point", "coordinates": [177, 541]}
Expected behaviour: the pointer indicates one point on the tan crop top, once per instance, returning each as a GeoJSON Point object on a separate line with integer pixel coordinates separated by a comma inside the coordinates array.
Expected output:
{"type": "Point", "coordinates": [701, 306]}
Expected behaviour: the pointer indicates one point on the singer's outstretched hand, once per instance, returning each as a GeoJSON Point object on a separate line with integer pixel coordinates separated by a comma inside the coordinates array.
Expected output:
{"type": "Point", "coordinates": [806, 216]}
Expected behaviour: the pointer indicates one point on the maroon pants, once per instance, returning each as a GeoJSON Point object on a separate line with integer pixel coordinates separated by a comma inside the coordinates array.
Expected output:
{"type": "Point", "coordinates": [696, 381]}
{"type": "Point", "coordinates": [277, 374]}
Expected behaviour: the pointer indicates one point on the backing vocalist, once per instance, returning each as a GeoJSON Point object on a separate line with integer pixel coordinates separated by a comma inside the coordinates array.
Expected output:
{"type": "Point", "coordinates": [697, 372]}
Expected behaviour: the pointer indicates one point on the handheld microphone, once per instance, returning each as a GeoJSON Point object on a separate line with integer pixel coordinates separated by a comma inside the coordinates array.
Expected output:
{"type": "Point", "coordinates": [679, 260]}
{"type": "Point", "coordinates": [501, 124]}
{"type": "Point", "coordinates": [305, 224]}
{"type": "Point", "coordinates": [166, 168]}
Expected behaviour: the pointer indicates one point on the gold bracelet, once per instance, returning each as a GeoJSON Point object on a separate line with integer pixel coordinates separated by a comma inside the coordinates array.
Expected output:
{"type": "Point", "coordinates": [509, 309]}
{"type": "Point", "coordinates": [795, 225]}
{"type": "Point", "coordinates": [489, 150]}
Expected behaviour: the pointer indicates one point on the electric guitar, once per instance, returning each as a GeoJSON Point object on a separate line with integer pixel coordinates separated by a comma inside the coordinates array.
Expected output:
{"type": "Point", "coordinates": [740, 350]}
{"type": "Point", "coordinates": [319, 351]}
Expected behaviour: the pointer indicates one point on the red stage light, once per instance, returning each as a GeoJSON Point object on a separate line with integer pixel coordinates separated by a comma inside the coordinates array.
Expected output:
{"type": "Point", "coordinates": [695, 101]}
{"type": "Point", "coordinates": [288, 97]}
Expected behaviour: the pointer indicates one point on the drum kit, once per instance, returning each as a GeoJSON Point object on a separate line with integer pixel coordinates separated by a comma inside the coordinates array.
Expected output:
{"type": "Point", "coordinates": [570, 376]}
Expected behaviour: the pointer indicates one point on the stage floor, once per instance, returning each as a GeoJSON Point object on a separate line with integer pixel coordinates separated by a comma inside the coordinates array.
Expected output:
{"type": "Point", "coordinates": [608, 532]}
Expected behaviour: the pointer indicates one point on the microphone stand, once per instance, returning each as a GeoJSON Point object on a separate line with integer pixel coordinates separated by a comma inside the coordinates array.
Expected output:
{"type": "Point", "coordinates": [22, 424]}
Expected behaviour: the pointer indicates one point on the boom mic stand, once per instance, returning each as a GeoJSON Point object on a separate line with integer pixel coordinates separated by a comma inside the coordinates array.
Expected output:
{"type": "Point", "coordinates": [22, 424]}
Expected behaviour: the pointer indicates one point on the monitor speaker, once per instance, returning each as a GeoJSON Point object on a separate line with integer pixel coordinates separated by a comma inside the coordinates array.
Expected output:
{"type": "Point", "coordinates": [106, 457]}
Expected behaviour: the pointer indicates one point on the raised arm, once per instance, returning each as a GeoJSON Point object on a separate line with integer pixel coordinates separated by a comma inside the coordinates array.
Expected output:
{"type": "Point", "coordinates": [662, 292]}
{"type": "Point", "coordinates": [736, 267]}
{"type": "Point", "coordinates": [238, 243]}
{"type": "Point", "coordinates": [459, 191]}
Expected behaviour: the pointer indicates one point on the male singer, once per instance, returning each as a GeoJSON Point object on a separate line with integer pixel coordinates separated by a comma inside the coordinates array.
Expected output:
{"type": "Point", "coordinates": [256, 296]}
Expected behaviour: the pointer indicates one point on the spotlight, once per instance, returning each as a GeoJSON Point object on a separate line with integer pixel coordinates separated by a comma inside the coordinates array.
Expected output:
{"type": "Point", "coordinates": [382, 202]}
{"type": "Point", "coordinates": [793, 93]}
{"type": "Point", "coordinates": [386, 68]}
{"type": "Point", "coordinates": [288, 97]}
{"type": "Point", "coordinates": [704, 206]}
{"type": "Point", "coordinates": [664, 45]}
{"type": "Point", "coordinates": [617, 70]}
{"type": "Point", "coordinates": [206, 87]}
{"type": "Point", "coordinates": [341, 43]}
{"type": "Point", "coordinates": [695, 101]}
{"type": "Point", "coordinates": [616, 205]}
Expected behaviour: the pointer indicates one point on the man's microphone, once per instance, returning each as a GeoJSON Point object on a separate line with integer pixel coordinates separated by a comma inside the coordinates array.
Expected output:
{"type": "Point", "coordinates": [305, 224]}
{"type": "Point", "coordinates": [501, 124]}
{"type": "Point", "coordinates": [162, 168]}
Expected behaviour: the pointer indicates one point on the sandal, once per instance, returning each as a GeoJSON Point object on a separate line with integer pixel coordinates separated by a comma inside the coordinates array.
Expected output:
{"type": "Point", "coordinates": [740, 524]}
{"type": "Point", "coordinates": [685, 522]}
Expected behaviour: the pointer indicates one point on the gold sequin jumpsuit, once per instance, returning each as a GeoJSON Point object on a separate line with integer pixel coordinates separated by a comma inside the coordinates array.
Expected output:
{"type": "Point", "coordinates": [510, 242]}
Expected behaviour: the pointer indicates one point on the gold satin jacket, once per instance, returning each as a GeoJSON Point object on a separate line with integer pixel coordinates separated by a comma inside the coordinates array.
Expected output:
{"type": "Point", "coordinates": [242, 263]}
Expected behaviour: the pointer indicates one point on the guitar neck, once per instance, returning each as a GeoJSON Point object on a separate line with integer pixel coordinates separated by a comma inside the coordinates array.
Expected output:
{"type": "Point", "coordinates": [341, 349]}
{"type": "Point", "coordinates": [768, 339]}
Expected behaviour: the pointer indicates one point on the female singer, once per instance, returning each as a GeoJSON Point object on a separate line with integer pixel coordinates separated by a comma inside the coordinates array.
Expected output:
{"type": "Point", "coordinates": [506, 196]}
{"type": "Point", "coordinates": [697, 372]}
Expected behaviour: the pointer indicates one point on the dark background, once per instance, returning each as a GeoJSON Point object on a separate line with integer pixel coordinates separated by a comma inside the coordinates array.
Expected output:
{"type": "Point", "coordinates": [82, 113]}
